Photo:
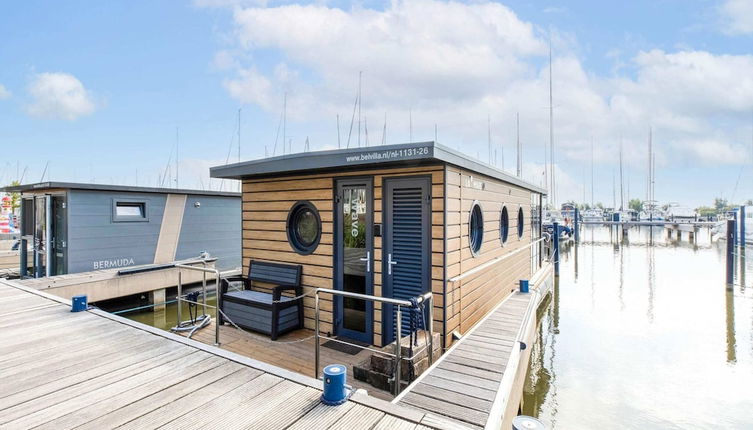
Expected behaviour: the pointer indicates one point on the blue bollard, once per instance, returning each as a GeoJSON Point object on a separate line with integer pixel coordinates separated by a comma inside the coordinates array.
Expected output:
{"type": "Point", "coordinates": [556, 246]}
{"type": "Point", "coordinates": [334, 390]}
{"type": "Point", "coordinates": [523, 285]}
{"type": "Point", "coordinates": [79, 303]}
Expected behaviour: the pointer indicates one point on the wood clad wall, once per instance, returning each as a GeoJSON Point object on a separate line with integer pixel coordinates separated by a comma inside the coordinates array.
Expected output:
{"type": "Point", "coordinates": [469, 299]}
{"type": "Point", "coordinates": [266, 203]}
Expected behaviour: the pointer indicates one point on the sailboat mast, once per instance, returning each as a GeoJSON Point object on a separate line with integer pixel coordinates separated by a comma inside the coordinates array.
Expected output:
{"type": "Point", "coordinates": [359, 108]}
{"type": "Point", "coordinates": [520, 148]}
{"type": "Point", "coordinates": [592, 172]}
{"type": "Point", "coordinates": [622, 198]}
{"type": "Point", "coordinates": [651, 163]}
{"type": "Point", "coordinates": [551, 127]}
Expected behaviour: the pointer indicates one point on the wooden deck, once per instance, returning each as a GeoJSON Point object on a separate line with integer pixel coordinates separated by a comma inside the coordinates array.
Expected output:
{"type": "Point", "coordinates": [465, 385]}
{"type": "Point", "coordinates": [96, 370]}
{"type": "Point", "coordinates": [293, 351]}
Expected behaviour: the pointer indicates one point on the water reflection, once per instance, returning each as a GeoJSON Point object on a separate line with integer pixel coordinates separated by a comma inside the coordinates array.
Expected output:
{"type": "Point", "coordinates": [645, 344]}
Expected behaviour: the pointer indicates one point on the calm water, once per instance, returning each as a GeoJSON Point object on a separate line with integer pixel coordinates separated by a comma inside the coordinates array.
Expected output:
{"type": "Point", "coordinates": [644, 336]}
{"type": "Point", "coordinates": [165, 319]}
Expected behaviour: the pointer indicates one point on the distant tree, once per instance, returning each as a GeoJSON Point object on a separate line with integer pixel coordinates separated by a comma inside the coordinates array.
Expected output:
{"type": "Point", "coordinates": [706, 211]}
{"type": "Point", "coordinates": [636, 205]}
{"type": "Point", "coordinates": [749, 202]}
{"type": "Point", "coordinates": [600, 205]}
{"type": "Point", "coordinates": [720, 204]}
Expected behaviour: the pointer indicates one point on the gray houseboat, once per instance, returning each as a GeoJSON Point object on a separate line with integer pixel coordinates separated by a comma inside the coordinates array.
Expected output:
{"type": "Point", "coordinates": [72, 227]}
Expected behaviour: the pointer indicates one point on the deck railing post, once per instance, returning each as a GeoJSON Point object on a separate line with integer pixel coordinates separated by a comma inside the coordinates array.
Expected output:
{"type": "Point", "coordinates": [316, 334]}
{"type": "Point", "coordinates": [180, 295]}
{"type": "Point", "coordinates": [217, 312]}
{"type": "Point", "coordinates": [730, 252]}
{"type": "Point", "coordinates": [556, 246]}
{"type": "Point", "coordinates": [431, 329]}
{"type": "Point", "coordinates": [398, 338]}
{"type": "Point", "coordinates": [204, 289]}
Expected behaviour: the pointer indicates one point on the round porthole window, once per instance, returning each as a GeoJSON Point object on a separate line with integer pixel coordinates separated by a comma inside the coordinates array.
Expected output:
{"type": "Point", "coordinates": [304, 227]}
{"type": "Point", "coordinates": [504, 225]}
{"type": "Point", "coordinates": [520, 222]}
{"type": "Point", "coordinates": [476, 229]}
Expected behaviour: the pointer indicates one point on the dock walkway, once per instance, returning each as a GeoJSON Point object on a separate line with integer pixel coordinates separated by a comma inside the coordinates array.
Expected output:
{"type": "Point", "coordinates": [472, 383]}
{"type": "Point", "coordinates": [95, 370]}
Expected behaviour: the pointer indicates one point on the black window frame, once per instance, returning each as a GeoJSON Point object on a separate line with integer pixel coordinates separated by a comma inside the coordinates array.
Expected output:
{"type": "Point", "coordinates": [504, 225]}
{"type": "Point", "coordinates": [521, 222]}
{"type": "Point", "coordinates": [294, 239]}
{"type": "Point", "coordinates": [475, 233]}
{"type": "Point", "coordinates": [130, 218]}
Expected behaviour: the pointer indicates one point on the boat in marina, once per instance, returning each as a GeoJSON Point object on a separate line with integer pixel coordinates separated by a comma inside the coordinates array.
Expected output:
{"type": "Point", "coordinates": [719, 230]}
{"type": "Point", "coordinates": [681, 214]}
{"type": "Point", "coordinates": [593, 215]}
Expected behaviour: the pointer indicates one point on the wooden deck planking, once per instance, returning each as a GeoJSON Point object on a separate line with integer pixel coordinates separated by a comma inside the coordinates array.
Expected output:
{"type": "Point", "coordinates": [463, 385]}
{"type": "Point", "coordinates": [293, 351]}
{"type": "Point", "coordinates": [93, 370]}
{"type": "Point", "coordinates": [130, 412]}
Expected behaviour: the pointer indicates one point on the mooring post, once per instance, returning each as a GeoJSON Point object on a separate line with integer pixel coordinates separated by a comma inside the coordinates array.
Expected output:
{"type": "Point", "coordinates": [730, 252]}
{"type": "Point", "coordinates": [734, 231]}
{"type": "Point", "coordinates": [556, 245]}
{"type": "Point", "coordinates": [577, 225]}
{"type": "Point", "coordinates": [742, 226]}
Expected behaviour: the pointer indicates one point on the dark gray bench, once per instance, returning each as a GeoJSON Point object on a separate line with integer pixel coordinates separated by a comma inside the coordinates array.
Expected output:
{"type": "Point", "coordinates": [272, 314]}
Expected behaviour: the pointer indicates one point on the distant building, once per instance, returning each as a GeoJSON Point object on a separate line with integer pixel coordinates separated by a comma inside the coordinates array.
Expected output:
{"type": "Point", "coordinates": [71, 227]}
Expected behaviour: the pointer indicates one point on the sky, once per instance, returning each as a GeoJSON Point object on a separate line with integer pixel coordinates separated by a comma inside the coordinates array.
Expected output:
{"type": "Point", "coordinates": [107, 92]}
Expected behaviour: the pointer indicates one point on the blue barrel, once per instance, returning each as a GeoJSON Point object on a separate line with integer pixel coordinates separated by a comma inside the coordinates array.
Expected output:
{"type": "Point", "coordinates": [523, 285]}
{"type": "Point", "coordinates": [78, 303]}
{"type": "Point", "coordinates": [524, 422]}
{"type": "Point", "coordinates": [334, 391]}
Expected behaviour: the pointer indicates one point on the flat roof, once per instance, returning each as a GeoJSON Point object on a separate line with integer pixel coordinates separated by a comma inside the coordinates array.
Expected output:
{"type": "Point", "coordinates": [41, 186]}
{"type": "Point", "coordinates": [409, 154]}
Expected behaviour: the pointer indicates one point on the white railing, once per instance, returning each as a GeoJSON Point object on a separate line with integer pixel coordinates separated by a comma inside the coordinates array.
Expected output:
{"type": "Point", "coordinates": [495, 261]}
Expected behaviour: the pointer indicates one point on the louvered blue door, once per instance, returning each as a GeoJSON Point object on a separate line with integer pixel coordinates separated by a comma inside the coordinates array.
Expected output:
{"type": "Point", "coordinates": [406, 253]}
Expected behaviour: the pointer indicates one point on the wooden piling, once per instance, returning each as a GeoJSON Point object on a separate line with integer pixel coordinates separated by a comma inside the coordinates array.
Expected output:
{"type": "Point", "coordinates": [556, 246]}
{"type": "Point", "coordinates": [742, 226]}
{"type": "Point", "coordinates": [730, 252]}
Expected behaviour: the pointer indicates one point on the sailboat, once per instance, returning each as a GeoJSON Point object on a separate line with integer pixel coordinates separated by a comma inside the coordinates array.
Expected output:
{"type": "Point", "coordinates": [651, 212]}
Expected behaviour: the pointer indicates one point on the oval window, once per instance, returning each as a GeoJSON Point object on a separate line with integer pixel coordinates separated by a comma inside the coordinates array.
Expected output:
{"type": "Point", "coordinates": [520, 222]}
{"type": "Point", "coordinates": [476, 229]}
{"type": "Point", "coordinates": [304, 227]}
{"type": "Point", "coordinates": [504, 224]}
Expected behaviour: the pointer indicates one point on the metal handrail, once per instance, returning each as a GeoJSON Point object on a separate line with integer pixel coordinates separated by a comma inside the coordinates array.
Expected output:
{"type": "Point", "coordinates": [187, 265]}
{"type": "Point", "coordinates": [495, 261]}
{"type": "Point", "coordinates": [427, 297]}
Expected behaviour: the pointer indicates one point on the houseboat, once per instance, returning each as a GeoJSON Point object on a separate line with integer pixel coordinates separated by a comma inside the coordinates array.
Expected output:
{"type": "Point", "coordinates": [71, 228]}
{"type": "Point", "coordinates": [394, 221]}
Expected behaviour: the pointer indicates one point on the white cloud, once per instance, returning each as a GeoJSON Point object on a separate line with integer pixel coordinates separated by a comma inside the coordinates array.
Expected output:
{"type": "Point", "coordinates": [4, 92]}
{"type": "Point", "coordinates": [59, 96]}
{"type": "Point", "coordinates": [452, 64]}
{"type": "Point", "coordinates": [737, 16]}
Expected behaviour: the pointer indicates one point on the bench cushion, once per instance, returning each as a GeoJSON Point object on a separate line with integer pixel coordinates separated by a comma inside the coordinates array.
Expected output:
{"type": "Point", "coordinates": [250, 297]}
